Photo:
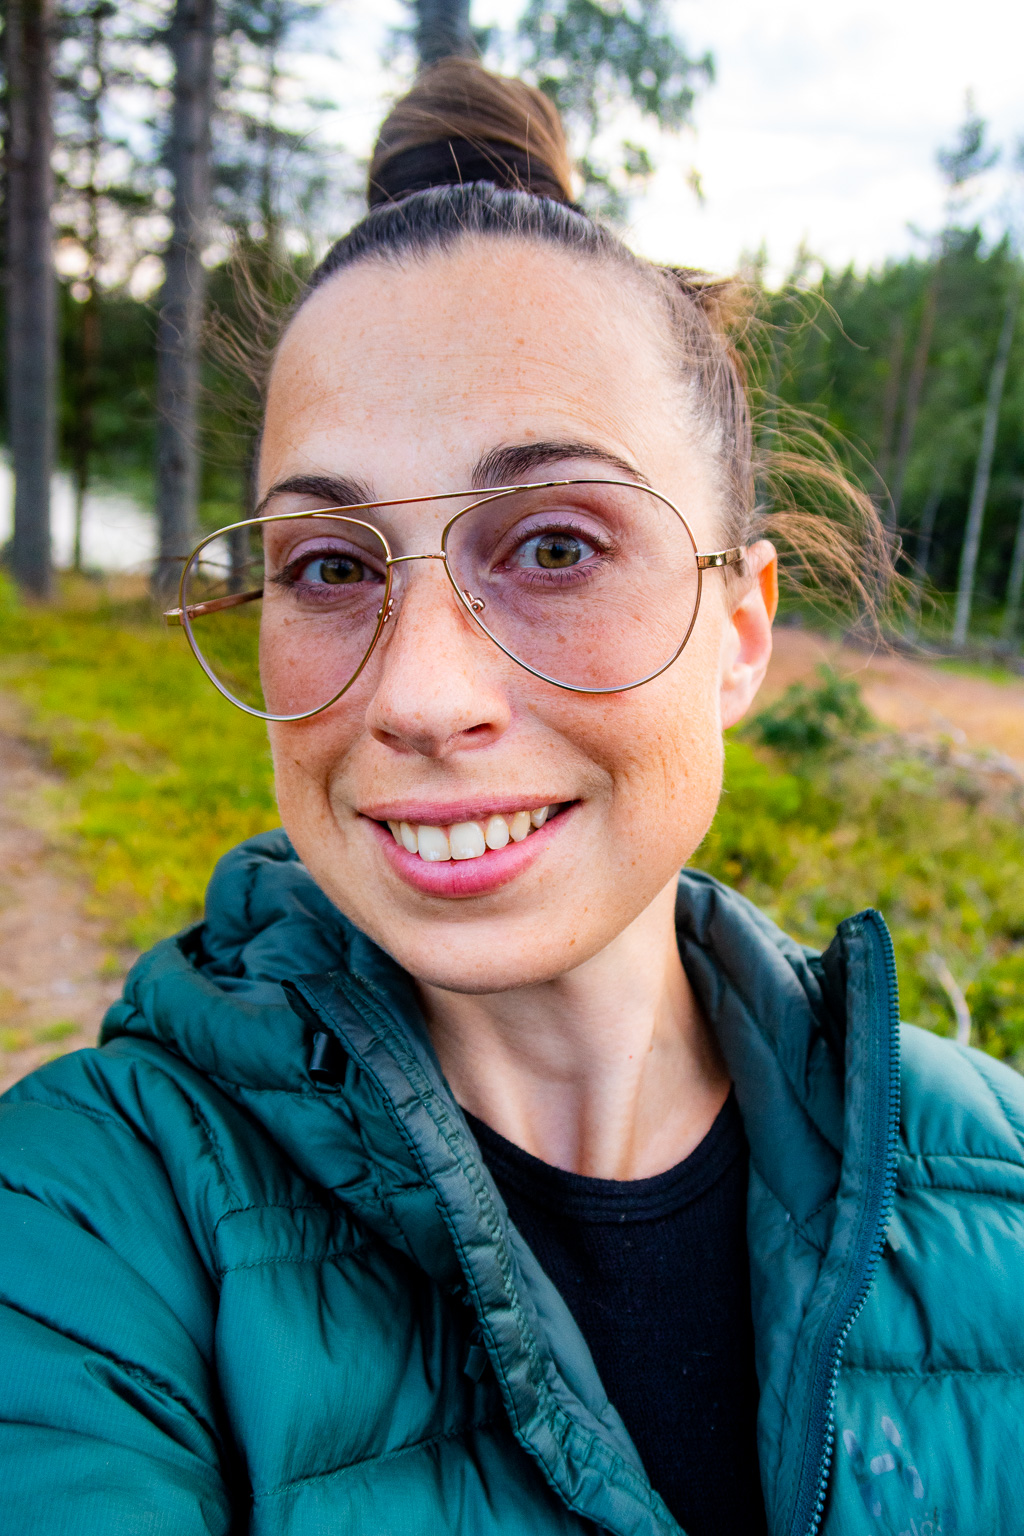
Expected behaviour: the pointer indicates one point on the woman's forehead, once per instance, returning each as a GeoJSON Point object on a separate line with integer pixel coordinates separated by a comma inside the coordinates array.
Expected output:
{"type": "Point", "coordinates": [452, 344]}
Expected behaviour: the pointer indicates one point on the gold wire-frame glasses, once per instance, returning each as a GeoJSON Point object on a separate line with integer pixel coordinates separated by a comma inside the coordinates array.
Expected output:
{"type": "Point", "coordinates": [190, 611]}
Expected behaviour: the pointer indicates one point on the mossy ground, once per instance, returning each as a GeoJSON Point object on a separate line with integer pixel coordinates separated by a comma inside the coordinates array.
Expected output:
{"type": "Point", "coordinates": [163, 775]}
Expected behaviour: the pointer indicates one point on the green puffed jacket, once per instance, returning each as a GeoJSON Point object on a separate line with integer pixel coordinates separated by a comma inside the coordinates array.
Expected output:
{"type": "Point", "coordinates": [255, 1277]}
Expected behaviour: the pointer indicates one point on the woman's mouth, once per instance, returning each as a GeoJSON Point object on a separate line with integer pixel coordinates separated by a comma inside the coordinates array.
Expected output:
{"type": "Point", "coordinates": [468, 857]}
{"type": "Point", "coordinates": [468, 839]}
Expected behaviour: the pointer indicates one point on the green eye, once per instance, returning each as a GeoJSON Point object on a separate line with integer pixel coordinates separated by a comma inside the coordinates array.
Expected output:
{"type": "Point", "coordinates": [334, 570]}
{"type": "Point", "coordinates": [557, 551]}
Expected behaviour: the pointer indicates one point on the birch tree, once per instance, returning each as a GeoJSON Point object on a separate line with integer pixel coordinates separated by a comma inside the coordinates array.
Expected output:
{"type": "Point", "coordinates": [179, 331]}
{"type": "Point", "coordinates": [983, 471]}
{"type": "Point", "coordinates": [1015, 583]}
{"type": "Point", "coordinates": [960, 165]}
{"type": "Point", "coordinates": [31, 285]}
{"type": "Point", "coordinates": [915, 384]}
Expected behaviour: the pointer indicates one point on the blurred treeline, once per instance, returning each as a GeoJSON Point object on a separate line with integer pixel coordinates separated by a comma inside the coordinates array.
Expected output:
{"type": "Point", "coordinates": [902, 363]}
{"type": "Point", "coordinates": [909, 419]}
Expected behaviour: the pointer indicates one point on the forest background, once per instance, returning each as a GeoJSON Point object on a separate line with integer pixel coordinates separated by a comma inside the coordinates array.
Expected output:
{"type": "Point", "coordinates": [912, 372]}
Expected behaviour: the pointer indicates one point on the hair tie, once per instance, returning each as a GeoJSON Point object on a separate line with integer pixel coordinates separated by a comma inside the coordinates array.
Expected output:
{"type": "Point", "coordinates": [454, 162]}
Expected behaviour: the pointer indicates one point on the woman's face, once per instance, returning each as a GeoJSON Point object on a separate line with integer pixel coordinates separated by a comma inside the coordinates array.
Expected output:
{"type": "Point", "coordinates": [509, 363]}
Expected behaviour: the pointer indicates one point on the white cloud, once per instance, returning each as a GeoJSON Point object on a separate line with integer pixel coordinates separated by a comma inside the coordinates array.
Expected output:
{"type": "Point", "coordinates": [824, 123]}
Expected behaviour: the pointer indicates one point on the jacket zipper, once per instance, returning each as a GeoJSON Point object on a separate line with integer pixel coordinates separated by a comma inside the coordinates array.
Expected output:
{"type": "Point", "coordinates": [881, 1189]}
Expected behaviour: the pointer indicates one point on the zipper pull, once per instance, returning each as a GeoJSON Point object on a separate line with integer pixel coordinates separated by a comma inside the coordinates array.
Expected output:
{"type": "Point", "coordinates": [326, 1059]}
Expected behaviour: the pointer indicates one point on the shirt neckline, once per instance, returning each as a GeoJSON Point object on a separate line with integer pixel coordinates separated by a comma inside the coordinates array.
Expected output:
{"type": "Point", "coordinates": [587, 1199]}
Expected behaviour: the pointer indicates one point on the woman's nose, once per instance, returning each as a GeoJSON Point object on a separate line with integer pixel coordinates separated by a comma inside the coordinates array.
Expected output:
{"type": "Point", "coordinates": [438, 676]}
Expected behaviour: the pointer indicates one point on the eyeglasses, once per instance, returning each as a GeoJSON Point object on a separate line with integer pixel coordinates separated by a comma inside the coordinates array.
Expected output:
{"type": "Point", "coordinates": [591, 585]}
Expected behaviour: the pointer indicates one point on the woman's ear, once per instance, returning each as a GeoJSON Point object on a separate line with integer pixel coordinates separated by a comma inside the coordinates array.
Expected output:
{"type": "Point", "coordinates": [747, 636]}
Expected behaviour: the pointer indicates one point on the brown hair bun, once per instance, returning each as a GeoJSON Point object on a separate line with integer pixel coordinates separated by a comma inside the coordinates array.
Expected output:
{"type": "Point", "coordinates": [461, 124]}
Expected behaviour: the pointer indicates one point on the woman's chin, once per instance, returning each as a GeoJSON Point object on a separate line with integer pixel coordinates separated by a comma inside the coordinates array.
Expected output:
{"type": "Point", "coordinates": [484, 963]}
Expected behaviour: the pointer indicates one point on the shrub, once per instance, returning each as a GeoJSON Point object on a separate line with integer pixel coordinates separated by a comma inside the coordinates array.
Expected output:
{"type": "Point", "coordinates": [806, 720]}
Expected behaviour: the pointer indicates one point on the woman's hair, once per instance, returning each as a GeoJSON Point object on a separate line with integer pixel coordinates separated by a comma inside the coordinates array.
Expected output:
{"type": "Point", "coordinates": [461, 124]}
{"type": "Point", "coordinates": [470, 154]}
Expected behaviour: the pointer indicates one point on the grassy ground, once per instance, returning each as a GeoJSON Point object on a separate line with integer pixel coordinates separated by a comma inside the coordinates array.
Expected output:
{"type": "Point", "coordinates": [162, 777]}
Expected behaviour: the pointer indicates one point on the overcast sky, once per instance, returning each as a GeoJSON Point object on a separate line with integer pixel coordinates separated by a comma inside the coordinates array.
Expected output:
{"type": "Point", "coordinates": [822, 125]}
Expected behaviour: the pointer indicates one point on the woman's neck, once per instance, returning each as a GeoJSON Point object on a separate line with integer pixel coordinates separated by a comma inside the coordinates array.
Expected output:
{"type": "Point", "coordinates": [609, 1070]}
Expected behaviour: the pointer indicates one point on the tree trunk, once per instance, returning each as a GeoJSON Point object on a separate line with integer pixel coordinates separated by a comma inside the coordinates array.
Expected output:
{"type": "Point", "coordinates": [31, 286]}
{"type": "Point", "coordinates": [443, 31]}
{"type": "Point", "coordinates": [979, 491]}
{"type": "Point", "coordinates": [890, 404]}
{"type": "Point", "coordinates": [89, 358]}
{"type": "Point", "coordinates": [915, 384]}
{"type": "Point", "coordinates": [1015, 584]}
{"type": "Point", "coordinates": [179, 332]}
{"type": "Point", "coordinates": [923, 550]}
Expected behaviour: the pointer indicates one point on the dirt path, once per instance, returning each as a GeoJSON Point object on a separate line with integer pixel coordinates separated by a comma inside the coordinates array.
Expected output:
{"type": "Point", "coordinates": [57, 976]}
{"type": "Point", "coordinates": [911, 695]}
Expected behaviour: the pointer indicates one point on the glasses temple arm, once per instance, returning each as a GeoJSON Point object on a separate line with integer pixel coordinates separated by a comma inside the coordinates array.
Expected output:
{"type": "Point", "coordinates": [719, 557]}
{"type": "Point", "coordinates": [215, 605]}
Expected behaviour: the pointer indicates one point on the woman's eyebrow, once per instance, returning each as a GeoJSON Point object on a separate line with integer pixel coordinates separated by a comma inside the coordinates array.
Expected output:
{"type": "Point", "coordinates": [513, 464]}
{"type": "Point", "coordinates": [502, 466]}
{"type": "Point", "coordinates": [330, 490]}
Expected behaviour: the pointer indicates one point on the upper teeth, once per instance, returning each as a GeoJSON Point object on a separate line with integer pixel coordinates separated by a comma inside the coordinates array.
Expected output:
{"type": "Point", "coordinates": [466, 839]}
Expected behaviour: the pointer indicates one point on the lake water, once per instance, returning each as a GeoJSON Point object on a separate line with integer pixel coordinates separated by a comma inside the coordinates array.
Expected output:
{"type": "Point", "coordinates": [117, 533]}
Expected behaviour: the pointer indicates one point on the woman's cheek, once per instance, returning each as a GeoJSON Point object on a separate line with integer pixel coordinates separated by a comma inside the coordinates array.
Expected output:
{"type": "Point", "coordinates": [685, 771]}
{"type": "Point", "coordinates": [305, 753]}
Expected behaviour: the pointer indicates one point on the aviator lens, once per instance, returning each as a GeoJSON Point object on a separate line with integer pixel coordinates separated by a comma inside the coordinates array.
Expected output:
{"type": "Point", "coordinates": [593, 584]}
{"type": "Point", "coordinates": [282, 612]}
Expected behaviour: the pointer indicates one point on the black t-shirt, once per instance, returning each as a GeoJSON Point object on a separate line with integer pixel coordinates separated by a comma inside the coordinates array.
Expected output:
{"type": "Point", "coordinates": [655, 1273]}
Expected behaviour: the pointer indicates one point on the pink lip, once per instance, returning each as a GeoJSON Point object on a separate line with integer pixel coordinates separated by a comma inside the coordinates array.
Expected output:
{"type": "Point", "coordinates": [445, 813]}
{"type": "Point", "coordinates": [466, 877]}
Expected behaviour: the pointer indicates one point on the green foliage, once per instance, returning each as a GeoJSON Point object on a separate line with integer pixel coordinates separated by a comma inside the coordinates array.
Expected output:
{"type": "Point", "coordinates": [591, 58]}
{"type": "Point", "coordinates": [808, 720]}
{"type": "Point", "coordinates": [164, 776]}
{"type": "Point", "coordinates": [840, 352]}
{"type": "Point", "coordinates": [52, 1034]}
{"type": "Point", "coordinates": [122, 426]}
{"type": "Point", "coordinates": [996, 1000]}
{"type": "Point", "coordinates": [814, 837]}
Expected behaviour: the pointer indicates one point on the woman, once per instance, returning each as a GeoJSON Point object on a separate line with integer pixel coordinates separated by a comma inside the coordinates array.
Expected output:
{"type": "Point", "coordinates": [468, 1169]}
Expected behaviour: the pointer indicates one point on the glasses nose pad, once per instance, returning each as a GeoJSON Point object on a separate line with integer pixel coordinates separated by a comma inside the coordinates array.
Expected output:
{"type": "Point", "coordinates": [477, 604]}
{"type": "Point", "coordinates": [386, 612]}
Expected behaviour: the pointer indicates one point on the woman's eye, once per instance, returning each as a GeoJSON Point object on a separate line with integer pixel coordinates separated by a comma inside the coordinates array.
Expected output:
{"type": "Point", "coordinates": [554, 551]}
{"type": "Point", "coordinates": [333, 570]}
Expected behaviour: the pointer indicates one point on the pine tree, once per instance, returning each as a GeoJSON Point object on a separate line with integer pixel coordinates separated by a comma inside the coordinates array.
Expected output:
{"type": "Point", "coordinates": [443, 31]}
{"type": "Point", "coordinates": [191, 38]}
